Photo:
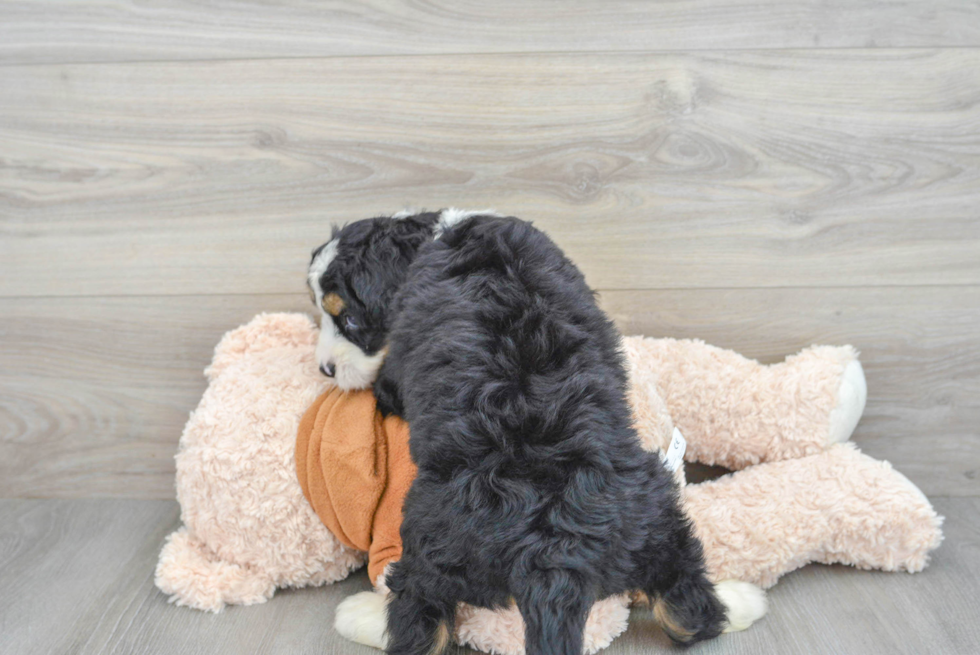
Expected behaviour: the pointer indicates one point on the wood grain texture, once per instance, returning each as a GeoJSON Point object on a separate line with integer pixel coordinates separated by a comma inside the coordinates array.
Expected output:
{"type": "Point", "coordinates": [94, 392]}
{"type": "Point", "coordinates": [78, 579]}
{"type": "Point", "coordinates": [734, 169]}
{"type": "Point", "coordinates": [62, 31]}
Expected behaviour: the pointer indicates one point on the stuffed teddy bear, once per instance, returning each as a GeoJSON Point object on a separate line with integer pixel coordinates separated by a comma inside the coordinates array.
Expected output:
{"type": "Point", "coordinates": [800, 494]}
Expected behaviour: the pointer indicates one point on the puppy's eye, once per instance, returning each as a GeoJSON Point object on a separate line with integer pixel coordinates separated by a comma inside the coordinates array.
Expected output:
{"type": "Point", "coordinates": [350, 324]}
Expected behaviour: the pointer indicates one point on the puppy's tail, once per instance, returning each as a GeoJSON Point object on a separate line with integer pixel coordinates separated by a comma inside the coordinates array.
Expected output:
{"type": "Point", "coordinates": [744, 603]}
{"type": "Point", "coordinates": [554, 605]}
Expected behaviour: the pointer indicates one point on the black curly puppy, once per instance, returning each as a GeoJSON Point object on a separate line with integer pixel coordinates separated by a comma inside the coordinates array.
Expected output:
{"type": "Point", "coordinates": [532, 486]}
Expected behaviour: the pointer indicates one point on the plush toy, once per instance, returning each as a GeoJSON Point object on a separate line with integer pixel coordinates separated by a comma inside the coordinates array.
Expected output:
{"type": "Point", "coordinates": [803, 496]}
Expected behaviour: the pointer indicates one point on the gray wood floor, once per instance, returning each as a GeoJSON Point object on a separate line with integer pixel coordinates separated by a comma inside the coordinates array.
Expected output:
{"type": "Point", "coordinates": [77, 578]}
{"type": "Point", "coordinates": [760, 175]}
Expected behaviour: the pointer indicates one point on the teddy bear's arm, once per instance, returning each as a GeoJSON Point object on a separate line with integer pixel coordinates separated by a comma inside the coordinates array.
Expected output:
{"type": "Point", "coordinates": [735, 412]}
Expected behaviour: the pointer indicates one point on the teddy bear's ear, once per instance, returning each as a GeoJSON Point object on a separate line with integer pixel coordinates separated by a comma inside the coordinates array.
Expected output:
{"type": "Point", "coordinates": [263, 332]}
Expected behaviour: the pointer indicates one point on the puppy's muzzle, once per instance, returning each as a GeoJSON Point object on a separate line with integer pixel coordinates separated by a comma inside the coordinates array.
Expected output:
{"type": "Point", "coordinates": [328, 369]}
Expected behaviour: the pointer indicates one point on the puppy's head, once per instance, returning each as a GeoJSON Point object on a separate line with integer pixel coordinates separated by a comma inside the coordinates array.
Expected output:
{"type": "Point", "coordinates": [353, 279]}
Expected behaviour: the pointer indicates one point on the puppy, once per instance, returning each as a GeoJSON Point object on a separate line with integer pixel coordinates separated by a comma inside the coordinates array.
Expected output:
{"type": "Point", "coordinates": [532, 487]}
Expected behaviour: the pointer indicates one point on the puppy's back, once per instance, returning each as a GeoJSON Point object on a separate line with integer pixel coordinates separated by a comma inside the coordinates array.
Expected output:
{"type": "Point", "coordinates": [508, 346]}
{"type": "Point", "coordinates": [532, 484]}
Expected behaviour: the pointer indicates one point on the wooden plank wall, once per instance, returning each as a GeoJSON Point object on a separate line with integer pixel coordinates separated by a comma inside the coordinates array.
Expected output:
{"type": "Point", "coordinates": [761, 176]}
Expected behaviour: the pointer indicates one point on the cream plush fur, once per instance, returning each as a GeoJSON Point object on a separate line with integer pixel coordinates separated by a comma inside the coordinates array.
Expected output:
{"type": "Point", "coordinates": [802, 497]}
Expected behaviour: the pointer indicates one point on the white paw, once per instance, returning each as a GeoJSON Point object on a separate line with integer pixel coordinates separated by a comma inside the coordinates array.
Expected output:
{"type": "Point", "coordinates": [362, 619]}
{"type": "Point", "coordinates": [744, 603]}
{"type": "Point", "coordinates": [851, 397]}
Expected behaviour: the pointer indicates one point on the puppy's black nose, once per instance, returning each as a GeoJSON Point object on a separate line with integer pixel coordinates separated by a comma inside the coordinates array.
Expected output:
{"type": "Point", "coordinates": [328, 370]}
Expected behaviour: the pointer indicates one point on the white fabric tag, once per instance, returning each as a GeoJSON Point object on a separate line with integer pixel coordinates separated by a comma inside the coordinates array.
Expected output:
{"type": "Point", "coordinates": [674, 456]}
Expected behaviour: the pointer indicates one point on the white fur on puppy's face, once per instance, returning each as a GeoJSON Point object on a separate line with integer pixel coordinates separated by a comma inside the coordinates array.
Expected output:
{"type": "Point", "coordinates": [353, 369]}
{"type": "Point", "coordinates": [319, 266]}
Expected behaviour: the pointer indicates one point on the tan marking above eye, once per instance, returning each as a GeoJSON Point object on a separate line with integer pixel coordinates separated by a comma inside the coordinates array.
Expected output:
{"type": "Point", "coordinates": [333, 304]}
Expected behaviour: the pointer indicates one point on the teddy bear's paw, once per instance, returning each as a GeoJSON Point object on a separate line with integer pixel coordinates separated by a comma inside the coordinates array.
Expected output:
{"type": "Point", "coordinates": [851, 397]}
{"type": "Point", "coordinates": [362, 619]}
{"type": "Point", "coordinates": [744, 603]}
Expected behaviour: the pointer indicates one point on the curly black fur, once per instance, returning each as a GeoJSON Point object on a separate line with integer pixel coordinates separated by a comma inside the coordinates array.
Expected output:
{"type": "Point", "coordinates": [532, 486]}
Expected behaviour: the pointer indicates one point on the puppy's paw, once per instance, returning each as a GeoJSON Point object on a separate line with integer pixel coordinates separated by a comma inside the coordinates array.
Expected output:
{"type": "Point", "coordinates": [362, 618]}
{"type": "Point", "coordinates": [744, 603]}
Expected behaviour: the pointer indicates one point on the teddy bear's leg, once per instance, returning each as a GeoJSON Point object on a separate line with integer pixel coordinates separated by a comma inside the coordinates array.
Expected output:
{"type": "Point", "coordinates": [839, 506]}
{"type": "Point", "coordinates": [735, 412]}
{"type": "Point", "coordinates": [501, 631]}
{"type": "Point", "coordinates": [193, 576]}
{"type": "Point", "coordinates": [361, 618]}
